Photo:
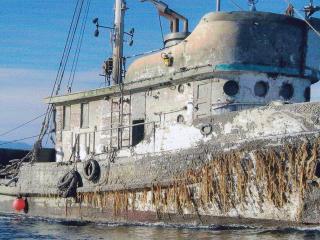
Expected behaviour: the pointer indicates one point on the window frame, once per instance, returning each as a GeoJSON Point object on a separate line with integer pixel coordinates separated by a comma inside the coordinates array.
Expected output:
{"type": "Point", "coordinates": [65, 126]}
{"type": "Point", "coordinates": [82, 117]}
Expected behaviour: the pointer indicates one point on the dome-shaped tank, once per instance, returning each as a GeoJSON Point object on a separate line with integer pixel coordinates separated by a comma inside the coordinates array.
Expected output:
{"type": "Point", "coordinates": [249, 58]}
{"type": "Point", "coordinates": [252, 41]}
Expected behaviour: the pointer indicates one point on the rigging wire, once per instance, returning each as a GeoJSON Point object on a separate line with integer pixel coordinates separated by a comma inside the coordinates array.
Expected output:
{"type": "Point", "coordinates": [78, 48]}
{"type": "Point", "coordinates": [18, 140]}
{"type": "Point", "coordinates": [21, 125]}
{"type": "Point", "coordinates": [32, 155]}
{"type": "Point", "coordinates": [304, 19]}
{"type": "Point", "coordinates": [64, 50]}
{"type": "Point", "coordinates": [236, 4]}
{"type": "Point", "coordinates": [65, 58]}
{"type": "Point", "coordinates": [161, 28]}
{"type": "Point", "coordinates": [70, 44]}
{"type": "Point", "coordinates": [58, 79]}
{"type": "Point", "coordinates": [62, 66]}
{"type": "Point", "coordinates": [35, 151]}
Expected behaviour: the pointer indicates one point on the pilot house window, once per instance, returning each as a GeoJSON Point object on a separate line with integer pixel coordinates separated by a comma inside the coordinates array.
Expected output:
{"type": "Point", "coordinates": [84, 115]}
{"type": "Point", "coordinates": [66, 117]}
{"type": "Point", "coordinates": [307, 94]}
{"type": "Point", "coordinates": [261, 89]}
{"type": "Point", "coordinates": [286, 91]}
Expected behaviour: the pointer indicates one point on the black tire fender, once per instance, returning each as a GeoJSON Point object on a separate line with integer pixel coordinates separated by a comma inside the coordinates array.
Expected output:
{"type": "Point", "coordinates": [91, 170]}
{"type": "Point", "coordinates": [65, 181]}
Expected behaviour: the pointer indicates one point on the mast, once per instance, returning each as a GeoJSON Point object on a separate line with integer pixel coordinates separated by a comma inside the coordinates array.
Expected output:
{"type": "Point", "coordinates": [120, 8]}
{"type": "Point", "coordinates": [218, 5]}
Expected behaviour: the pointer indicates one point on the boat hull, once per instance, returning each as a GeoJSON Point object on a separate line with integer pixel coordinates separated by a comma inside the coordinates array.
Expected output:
{"type": "Point", "coordinates": [261, 182]}
{"type": "Point", "coordinates": [68, 210]}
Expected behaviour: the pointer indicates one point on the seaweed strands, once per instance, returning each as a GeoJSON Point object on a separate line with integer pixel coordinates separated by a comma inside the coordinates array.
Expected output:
{"type": "Point", "coordinates": [117, 201]}
{"type": "Point", "coordinates": [287, 171]}
{"type": "Point", "coordinates": [227, 181]}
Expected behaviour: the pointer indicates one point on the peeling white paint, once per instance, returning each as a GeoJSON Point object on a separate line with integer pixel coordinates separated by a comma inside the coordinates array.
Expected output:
{"type": "Point", "coordinates": [173, 137]}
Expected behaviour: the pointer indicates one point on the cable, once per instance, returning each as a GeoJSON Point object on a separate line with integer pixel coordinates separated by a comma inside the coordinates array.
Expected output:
{"type": "Point", "coordinates": [75, 60]}
{"type": "Point", "coordinates": [34, 153]}
{"type": "Point", "coordinates": [303, 18]}
{"type": "Point", "coordinates": [78, 48]}
{"type": "Point", "coordinates": [21, 125]}
{"type": "Point", "coordinates": [64, 52]}
{"type": "Point", "coordinates": [18, 140]}
{"type": "Point", "coordinates": [237, 5]}
{"type": "Point", "coordinates": [161, 28]}
{"type": "Point", "coordinates": [62, 66]}
{"type": "Point", "coordinates": [70, 46]}
{"type": "Point", "coordinates": [57, 82]}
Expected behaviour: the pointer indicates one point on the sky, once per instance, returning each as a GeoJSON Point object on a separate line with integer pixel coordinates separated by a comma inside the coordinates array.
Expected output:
{"type": "Point", "coordinates": [32, 38]}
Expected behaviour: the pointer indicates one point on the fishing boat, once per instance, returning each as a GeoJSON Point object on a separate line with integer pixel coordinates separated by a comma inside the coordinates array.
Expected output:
{"type": "Point", "coordinates": [216, 127]}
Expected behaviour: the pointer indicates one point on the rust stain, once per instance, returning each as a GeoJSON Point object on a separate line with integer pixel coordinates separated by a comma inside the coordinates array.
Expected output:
{"type": "Point", "coordinates": [224, 181]}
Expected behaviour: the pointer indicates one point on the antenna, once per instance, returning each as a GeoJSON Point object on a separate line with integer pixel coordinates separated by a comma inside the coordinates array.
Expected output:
{"type": "Point", "coordinates": [218, 5]}
{"type": "Point", "coordinates": [120, 8]}
{"type": "Point", "coordinates": [252, 4]}
{"type": "Point", "coordinates": [310, 9]}
{"type": "Point", "coordinates": [115, 65]}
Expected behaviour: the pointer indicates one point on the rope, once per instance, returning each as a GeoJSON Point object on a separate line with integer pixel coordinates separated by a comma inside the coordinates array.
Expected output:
{"type": "Point", "coordinates": [303, 18]}
{"type": "Point", "coordinates": [64, 51]}
{"type": "Point", "coordinates": [21, 125]}
{"type": "Point", "coordinates": [62, 66]}
{"type": "Point", "coordinates": [13, 169]}
{"type": "Point", "coordinates": [73, 153]}
{"type": "Point", "coordinates": [60, 73]}
{"type": "Point", "coordinates": [70, 45]}
{"type": "Point", "coordinates": [18, 140]}
{"type": "Point", "coordinates": [80, 40]}
{"type": "Point", "coordinates": [161, 28]}
{"type": "Point", "coordinates": [78, 48]}
{"type": "Point", "coordinates": [235, 4]}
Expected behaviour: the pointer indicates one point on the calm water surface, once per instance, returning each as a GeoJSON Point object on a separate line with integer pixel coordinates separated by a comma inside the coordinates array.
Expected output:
{"type": "Point", "coordinates": [20, 227]}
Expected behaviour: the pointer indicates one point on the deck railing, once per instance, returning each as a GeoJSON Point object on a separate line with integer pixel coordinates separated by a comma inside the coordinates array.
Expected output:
{"type": "Point", "coordinates": [110, 139]}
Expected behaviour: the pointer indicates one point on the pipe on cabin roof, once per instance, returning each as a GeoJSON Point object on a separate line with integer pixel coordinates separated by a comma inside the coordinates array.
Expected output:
{"type": "Point", "coordinates": [171, 15]}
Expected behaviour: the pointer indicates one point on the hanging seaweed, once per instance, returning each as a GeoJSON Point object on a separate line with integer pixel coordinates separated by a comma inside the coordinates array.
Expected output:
{"type": "Point", "coordinates": [226, 181]}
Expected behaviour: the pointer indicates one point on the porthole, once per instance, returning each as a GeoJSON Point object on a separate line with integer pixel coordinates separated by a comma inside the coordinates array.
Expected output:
{"type": "Point", "coordinates": [206, 129]}
{"type": "Point", "coordinates": [231, 88]}
{"type": "Point", "coordinates": [307, 94]}
{"type": "Point", "coordinates": [261, 89]}
{"type": "Point", "coordinates": [180, 119]}
{"type": "Point", "coordinates": [286, 91]}
{"type": "Point", "coordinates": [181, 88]}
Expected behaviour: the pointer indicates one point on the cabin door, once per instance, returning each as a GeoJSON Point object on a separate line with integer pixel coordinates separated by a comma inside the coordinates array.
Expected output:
{"type": "Point", "coordinates": [202, 96]}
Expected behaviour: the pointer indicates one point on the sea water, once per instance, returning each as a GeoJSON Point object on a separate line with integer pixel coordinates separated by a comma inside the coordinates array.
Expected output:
{"type": "Point", "coordinates": [22, 227]}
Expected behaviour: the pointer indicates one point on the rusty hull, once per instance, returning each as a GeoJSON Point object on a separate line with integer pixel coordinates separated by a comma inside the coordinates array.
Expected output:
{"type": "Point", "coordinates": [248, 185]}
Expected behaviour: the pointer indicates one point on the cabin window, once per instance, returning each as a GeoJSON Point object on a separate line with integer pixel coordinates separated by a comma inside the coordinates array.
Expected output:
{"type": "Point", "coordinates": [307, 94]}
{"type": "Point", "coordinates": [84, 115]}
{"type": "Point", "coordinates": [66, 117]}
{"type": "Point", "coordinates": [286, 91]}
{"type": "Point", "coordinates": [231, 88]}
{"type": "Point", "coordinates": [181, 88]}
{"type": "Point", "coordinates": [180, 119]}
{"type": "Point", "coordinates": [54, 119]}
{"type": "Point", "coordinates": [261, 89]}
{"type": "Point", "coordinates": [137, 131]}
